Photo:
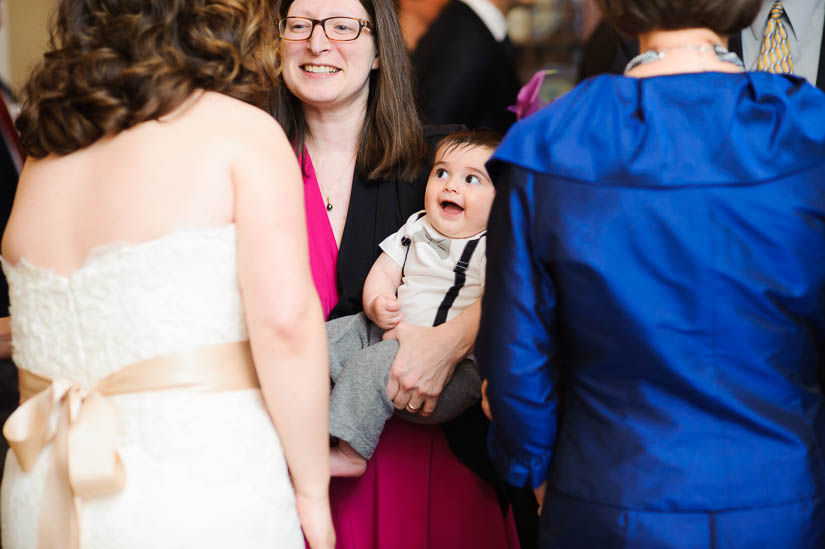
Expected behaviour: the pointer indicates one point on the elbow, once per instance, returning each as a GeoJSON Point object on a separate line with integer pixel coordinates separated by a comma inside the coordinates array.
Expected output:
{"type": "Point", "coordinates": [289, 323]}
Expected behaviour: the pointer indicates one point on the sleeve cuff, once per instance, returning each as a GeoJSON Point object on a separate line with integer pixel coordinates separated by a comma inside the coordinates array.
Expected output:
{"type": "Point", "coordinates": [518, 471]}
{"type": "Point", "coordinates": [392, 247]}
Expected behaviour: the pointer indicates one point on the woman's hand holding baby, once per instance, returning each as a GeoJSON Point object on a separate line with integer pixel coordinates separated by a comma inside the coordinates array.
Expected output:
{"type": "Point", "coordinates": [427, 357]}
{"type": "Point", "coordinates": [422, 367]}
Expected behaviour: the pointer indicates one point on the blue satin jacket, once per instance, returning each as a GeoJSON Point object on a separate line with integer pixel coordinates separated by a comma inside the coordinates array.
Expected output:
{"type": "Point", "coordinates": [653, 323]}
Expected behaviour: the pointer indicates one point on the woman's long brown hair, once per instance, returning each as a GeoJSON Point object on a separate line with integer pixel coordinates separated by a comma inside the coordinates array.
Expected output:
{"type": "Point", "coordinates": [392, 141]}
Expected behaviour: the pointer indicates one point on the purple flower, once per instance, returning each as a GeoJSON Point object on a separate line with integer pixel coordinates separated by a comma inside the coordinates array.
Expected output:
{"type": "Point", "coordinates": [528, 100]}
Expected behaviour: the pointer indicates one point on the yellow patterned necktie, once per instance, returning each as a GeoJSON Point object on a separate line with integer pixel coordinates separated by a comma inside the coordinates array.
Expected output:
{"type": "Point", "coordinates": [775, 52]}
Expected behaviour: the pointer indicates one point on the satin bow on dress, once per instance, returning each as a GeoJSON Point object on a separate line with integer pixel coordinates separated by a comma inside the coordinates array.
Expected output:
{"type": "Point", "coordinates": [86, 463]}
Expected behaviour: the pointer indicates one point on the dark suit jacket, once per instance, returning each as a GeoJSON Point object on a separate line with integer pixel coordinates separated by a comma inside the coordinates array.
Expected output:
{"type": "Point", "coordinates": [8, 373]}
{"type": "Point", "coordinates": [608, 52]}
{"type": "Point", "coordinates": [464, 76]}
{"type": "Point", "coordinates": [8, 186]}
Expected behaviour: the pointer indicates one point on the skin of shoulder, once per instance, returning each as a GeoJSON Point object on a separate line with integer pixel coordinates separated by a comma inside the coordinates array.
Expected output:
{"type": "Point", "coordinates": [174, 172]}
{"type": "Point", "coordinates": [248, 123]}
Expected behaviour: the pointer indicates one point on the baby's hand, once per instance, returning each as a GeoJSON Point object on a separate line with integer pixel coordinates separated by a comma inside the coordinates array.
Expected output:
{"type": "Point", "coordinates": [386, 311]}
{"type": "Point", "coordinates": [485, 403]}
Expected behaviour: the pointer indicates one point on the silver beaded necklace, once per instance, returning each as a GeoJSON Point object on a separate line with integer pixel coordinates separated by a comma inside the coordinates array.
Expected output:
{"type": "Point", "coordinates": [651, 56]}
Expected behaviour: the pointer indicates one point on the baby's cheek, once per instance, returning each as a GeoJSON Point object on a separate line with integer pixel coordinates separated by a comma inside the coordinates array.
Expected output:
{"type": "Point", "coordinates": [486, 204]}
{"type": "Point", "coordinates": [431, 198]}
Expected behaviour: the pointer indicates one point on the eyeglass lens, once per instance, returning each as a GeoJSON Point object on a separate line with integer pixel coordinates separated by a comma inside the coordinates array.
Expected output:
{"type": "Point", "coordinates": [336, 28]}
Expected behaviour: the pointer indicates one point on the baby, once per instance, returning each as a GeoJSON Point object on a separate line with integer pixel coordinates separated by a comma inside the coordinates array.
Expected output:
{"type": "Point", "coordinates": [429, 271]}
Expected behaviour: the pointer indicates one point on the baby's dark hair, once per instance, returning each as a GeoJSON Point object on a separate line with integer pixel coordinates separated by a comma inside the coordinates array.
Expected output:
{"type": "Point", "coordinates": [469, 138]}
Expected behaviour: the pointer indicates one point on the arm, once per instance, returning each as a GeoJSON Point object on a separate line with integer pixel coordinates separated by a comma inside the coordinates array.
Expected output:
{"type": "Point", "coordinates": [5, 337]}
{"type": "Point", "coordinates": [427, 357]}
{"type": "Point", "coordinates": [485, 407]}
{"type": "Point", "coordinates": [380, 304]}
{"type": "Point", "coordinates": [516, 348]}
{"type": "Point", "coordinates": [283, 315]}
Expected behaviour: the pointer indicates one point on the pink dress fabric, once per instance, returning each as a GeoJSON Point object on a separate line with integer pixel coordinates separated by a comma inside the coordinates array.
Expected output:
{"type": "Point", "coordinates": [323, 250]}
{"type": "Point", "coordinates": [415, 494]}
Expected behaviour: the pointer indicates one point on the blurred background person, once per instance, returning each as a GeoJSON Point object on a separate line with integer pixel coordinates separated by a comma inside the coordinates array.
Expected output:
{"type": "Point", "coordinates": [794, 26]}
{"type": "Point", "coordinates": [465, 67]}
{"type": "Point", "coordinates": [415, 17]}
{"type": "Point", "coordinates": [797, 23]}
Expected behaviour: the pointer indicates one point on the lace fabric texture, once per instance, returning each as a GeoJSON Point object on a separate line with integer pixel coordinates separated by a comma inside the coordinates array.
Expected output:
{"type": "Point", "coordinates": [203, 469]}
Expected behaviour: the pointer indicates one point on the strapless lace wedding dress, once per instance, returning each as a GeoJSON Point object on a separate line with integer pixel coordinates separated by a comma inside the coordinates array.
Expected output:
{"type": "Point", "coordinates": [203, 469]}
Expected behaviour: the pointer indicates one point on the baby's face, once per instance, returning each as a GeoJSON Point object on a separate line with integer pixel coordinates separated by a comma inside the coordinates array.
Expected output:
{"type": "Point", "coordinates": [459, 191]}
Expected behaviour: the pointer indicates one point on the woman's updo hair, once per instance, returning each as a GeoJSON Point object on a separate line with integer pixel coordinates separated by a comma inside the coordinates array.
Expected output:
{"type": "Point", "coordinates": [724, 17]}
{"type": "Point", "coordinates": [112, 64]}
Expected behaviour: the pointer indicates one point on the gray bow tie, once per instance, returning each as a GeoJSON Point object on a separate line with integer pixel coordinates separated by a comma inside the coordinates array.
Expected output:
{"type": "Point", "coordinates": [440, 245]}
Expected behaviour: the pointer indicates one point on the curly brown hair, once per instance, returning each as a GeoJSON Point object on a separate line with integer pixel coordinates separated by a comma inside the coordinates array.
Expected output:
{"type": "Point", "coordinates": [112, 64]}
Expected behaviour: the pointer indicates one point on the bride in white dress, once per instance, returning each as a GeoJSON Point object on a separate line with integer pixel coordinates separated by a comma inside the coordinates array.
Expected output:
{"type": "Point", "coordinates": [157, 228]}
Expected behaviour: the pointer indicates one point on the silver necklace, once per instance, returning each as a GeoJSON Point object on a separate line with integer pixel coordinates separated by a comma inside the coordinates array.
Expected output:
{"type": "Point", "coordinates": [329, 195]}
{"type": "Point", "coordinates": [332, 192]}
{"type": "Point", "coordinates": [651, 56]}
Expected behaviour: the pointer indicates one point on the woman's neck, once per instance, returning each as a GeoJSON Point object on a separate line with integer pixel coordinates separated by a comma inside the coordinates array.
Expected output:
{"type": "Point", "coordinates": [334, 131]}
{"type": "Point", "coordinates": [685, 51]}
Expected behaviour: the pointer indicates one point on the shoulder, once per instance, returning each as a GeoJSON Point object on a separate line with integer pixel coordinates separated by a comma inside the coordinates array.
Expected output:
{"type": "Point", "coordinates": [457, 12]}
{"type": "Point", "coordinates": [614, 129]}
{"type": "Point", "coordinates": [415, 222]}
{"type": "Point", "coordinates": [238, 116]}
{"type": "Point", "coordinates": [243, 130]}
{"type": "Point", "coordinates": [456, 27]}
{"type": "Point", "coordinates": [530, 140]}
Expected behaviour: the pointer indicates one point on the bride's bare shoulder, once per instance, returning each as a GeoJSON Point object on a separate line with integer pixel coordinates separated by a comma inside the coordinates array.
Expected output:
{"type": "Point", "coordinates": [235, 114]}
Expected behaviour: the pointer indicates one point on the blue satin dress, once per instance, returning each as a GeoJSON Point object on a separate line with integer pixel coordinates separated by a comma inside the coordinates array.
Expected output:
{"type": "Point", "coordinates": [653, 325]}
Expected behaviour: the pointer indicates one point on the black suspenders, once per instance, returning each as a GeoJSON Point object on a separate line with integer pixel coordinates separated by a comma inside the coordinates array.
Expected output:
{"type": "Point", "coordinates": [459, 270]}
{"type": "Point", "coordinates": [460, 280]}
{"type": "Point", "coordinates": [405, 241]}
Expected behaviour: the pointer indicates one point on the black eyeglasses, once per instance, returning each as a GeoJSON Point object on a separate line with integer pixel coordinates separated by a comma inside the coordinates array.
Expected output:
{"type": "Point", "coordinates": [341, 29]}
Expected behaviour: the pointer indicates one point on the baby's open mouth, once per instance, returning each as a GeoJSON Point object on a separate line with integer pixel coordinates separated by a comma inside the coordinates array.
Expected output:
{"type": "Point", "coordinates": [451, 207]}
{"type": "Point", "coordinates": [320, 69]}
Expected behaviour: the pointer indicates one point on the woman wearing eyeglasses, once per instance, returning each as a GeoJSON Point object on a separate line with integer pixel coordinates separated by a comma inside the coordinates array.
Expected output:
{"type": "Point", "coordinates": [347, 107]}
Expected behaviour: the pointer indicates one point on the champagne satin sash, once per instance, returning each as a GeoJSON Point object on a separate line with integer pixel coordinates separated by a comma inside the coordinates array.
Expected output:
{"type": "Point", "coordinates": [86, 463]}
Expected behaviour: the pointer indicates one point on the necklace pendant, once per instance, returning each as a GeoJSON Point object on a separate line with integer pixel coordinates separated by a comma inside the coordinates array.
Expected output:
{"type": "Point", "coordinates": [329, 206]}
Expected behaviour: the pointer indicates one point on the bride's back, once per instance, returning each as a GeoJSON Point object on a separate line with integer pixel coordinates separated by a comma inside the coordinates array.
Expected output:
{"type": "Point", "coordinates": [154, 178]}
{"type": "Point", "coordinates": [159, 217]}
{"type": "Point", "coordinates": [124, 144]}
{"type": "Point", "coordinates": [124, 250]}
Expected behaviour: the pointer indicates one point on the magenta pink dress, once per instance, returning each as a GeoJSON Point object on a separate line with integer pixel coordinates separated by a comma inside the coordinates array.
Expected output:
{"type": "Point", "coordinates": [323, 251]}
{"type": "Point", "coordinates": [414, 494]}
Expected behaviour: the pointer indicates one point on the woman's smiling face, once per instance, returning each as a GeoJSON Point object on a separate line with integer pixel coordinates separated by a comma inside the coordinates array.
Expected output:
{"type": "Point", "coordinates": [326, 74]}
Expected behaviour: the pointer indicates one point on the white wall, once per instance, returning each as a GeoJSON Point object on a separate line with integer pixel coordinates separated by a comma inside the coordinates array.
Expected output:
{"type": "Point", "coordinates": [5, 55]}
{"type": "Point", "coordinates": [28, 32]}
